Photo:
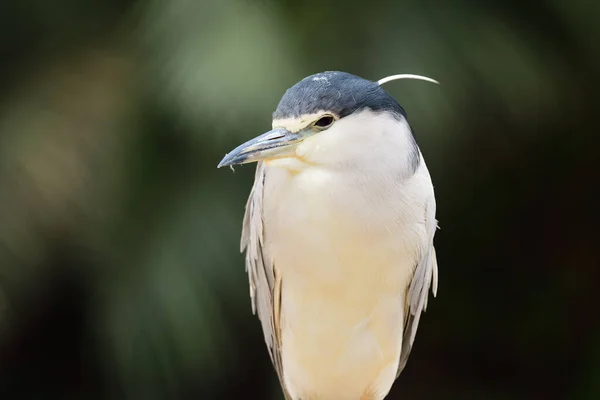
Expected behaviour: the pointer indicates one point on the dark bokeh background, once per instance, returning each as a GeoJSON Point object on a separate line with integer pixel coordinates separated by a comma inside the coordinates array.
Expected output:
{"type": "Point", "coordinates": [120, 276]}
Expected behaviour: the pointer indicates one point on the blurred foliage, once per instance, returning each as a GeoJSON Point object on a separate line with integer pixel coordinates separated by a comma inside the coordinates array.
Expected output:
{"type": "Point", "coordinates": [120, 275]}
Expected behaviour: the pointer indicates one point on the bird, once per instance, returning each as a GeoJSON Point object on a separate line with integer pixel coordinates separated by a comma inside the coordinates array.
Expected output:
{"type": "Point", "coordinates": [338, 237]}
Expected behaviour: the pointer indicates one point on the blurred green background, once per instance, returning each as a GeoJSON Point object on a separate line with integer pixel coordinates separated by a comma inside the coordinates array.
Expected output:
{"type": "Point", "coordinates": [120, 276]}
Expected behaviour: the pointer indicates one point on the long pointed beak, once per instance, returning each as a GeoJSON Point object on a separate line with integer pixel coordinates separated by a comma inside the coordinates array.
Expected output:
{"type": "Point", "coordinates": [273, 144]}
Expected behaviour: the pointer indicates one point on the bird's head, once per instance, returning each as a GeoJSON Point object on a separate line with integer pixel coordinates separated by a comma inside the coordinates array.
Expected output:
{"type": "Point", "coordinates": [333, 119]}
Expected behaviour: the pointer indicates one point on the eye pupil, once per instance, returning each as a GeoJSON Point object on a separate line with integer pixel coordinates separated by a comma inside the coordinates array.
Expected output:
{"type": "Point", "coordinates": [324, 121]}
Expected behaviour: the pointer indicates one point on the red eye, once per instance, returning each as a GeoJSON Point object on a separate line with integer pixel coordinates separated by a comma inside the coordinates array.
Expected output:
{"type": "Point", "coordinates": [324, 122]}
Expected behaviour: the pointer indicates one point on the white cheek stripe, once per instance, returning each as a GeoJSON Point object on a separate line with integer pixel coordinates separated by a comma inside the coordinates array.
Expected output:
{"type": "Point", "coordinates": [297, 124]}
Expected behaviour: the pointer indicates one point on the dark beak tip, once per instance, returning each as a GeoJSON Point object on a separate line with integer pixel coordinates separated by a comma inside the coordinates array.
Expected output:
{"type": "Point", "coordinates": [232, 158]}
{"type": "Point", "coordinates": [224, 162]}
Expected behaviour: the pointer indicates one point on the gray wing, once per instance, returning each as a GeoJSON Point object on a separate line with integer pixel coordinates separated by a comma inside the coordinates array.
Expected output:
{"type": "Point", "coordinates": [424, 278]}
{"type": "Point", "coordinates": [265, 282]}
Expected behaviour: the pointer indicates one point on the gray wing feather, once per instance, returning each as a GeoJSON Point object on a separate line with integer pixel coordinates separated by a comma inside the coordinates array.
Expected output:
{"type": "Point", "coordinates": [425, 277]}
{"type": "Point", "coordinates": [264, 284]}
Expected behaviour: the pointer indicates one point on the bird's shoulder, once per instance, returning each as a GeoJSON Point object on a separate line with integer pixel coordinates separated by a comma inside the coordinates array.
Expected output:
{"type": "Point", "coordinates": [265, 282]}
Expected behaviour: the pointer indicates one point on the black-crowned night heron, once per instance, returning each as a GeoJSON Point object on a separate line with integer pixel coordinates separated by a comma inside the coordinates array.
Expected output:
{"type": "Point", "coordinates": [338, 234]}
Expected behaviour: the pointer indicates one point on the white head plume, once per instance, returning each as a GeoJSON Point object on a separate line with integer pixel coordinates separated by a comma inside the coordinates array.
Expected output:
{"type": "Point", "coordinates": [405, 76]}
